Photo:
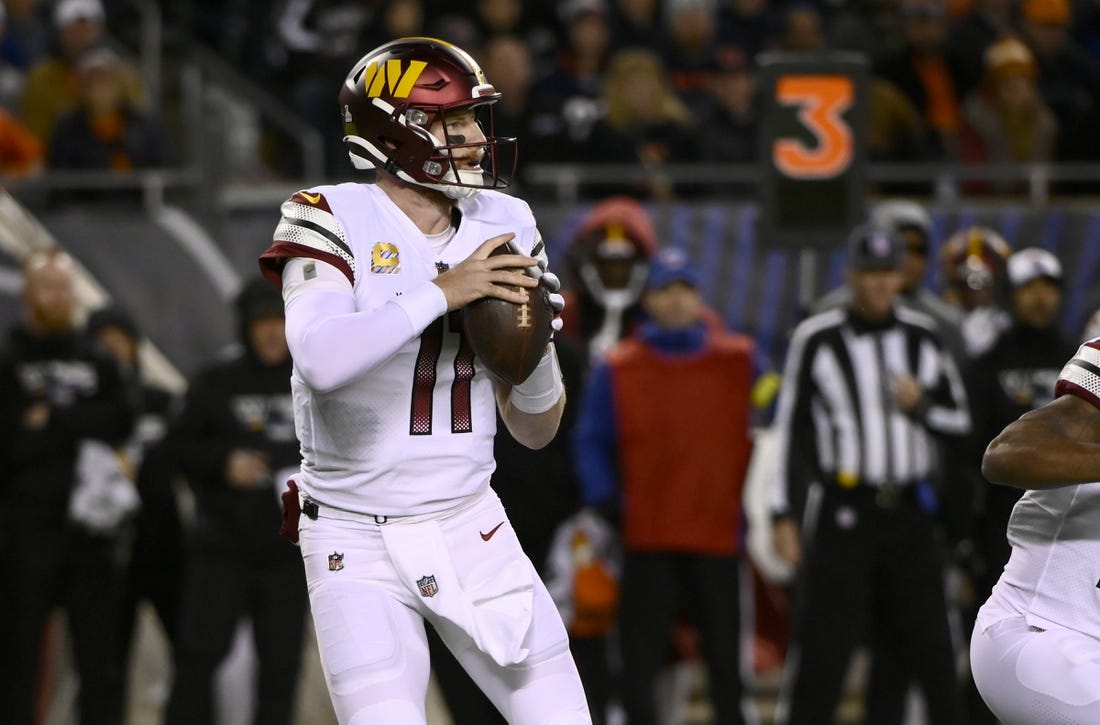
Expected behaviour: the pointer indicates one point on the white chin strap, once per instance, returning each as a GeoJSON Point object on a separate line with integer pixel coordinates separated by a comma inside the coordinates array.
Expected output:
{"type": "Point", "coordinates": [468, 176]}
{"type": "Point", "coordinates": [615, 303]}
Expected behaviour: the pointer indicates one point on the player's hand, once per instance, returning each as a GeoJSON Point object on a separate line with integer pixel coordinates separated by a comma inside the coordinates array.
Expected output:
{"type": "Point", "coordinates": [907, 393]}
{"type": "Point", "coordinates": [550, 281]}
{"type": "Point", "coordinates": [246, 469]}
{"type": "Point", "coordinates": [788, 545]}
{"type": "Point", "coordinates": [557, 302]}
{"type": "Point", "coordinates": [480, 275]}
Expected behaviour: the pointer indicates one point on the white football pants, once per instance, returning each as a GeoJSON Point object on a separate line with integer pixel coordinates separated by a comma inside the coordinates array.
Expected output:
{"type": "Point", "coordinates": [372, 585]}
{"type": "Point", "coordinates": [1029, 676]}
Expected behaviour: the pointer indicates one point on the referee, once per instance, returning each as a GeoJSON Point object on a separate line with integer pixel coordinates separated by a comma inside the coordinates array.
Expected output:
{"type": "Point", "coordinates": [866, 388]}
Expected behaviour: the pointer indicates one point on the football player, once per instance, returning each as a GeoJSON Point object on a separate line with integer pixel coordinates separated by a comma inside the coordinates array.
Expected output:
{"type": "Point", "coordinates": [395, 415]}
{"type": "Point", "coordinates": [1035, 651]}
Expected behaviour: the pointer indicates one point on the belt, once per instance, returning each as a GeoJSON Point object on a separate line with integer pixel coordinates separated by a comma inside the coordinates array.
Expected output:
{"type": "Point", "coordinates": [312, 510]}
{"type": "Point", "coordinates": [891, 495]}
{"type": "Point", "coordinates": [887, 495]}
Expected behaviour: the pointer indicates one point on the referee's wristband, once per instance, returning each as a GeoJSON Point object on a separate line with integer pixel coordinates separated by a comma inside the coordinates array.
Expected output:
{"type": "Point", "coordinates": [542, 389]}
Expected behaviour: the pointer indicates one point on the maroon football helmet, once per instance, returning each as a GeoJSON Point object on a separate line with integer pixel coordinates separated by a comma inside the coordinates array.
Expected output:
{"type": "Point", "coordinates": [394, 94]}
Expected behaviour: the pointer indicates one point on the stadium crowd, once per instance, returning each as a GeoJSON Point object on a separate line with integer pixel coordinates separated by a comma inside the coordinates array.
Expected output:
{"type": "Point", "coordinates": [618, 81]}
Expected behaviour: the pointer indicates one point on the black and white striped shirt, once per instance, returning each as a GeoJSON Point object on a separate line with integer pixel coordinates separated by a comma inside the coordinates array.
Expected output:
{"type": "Point", "coordinates": [837, 421]}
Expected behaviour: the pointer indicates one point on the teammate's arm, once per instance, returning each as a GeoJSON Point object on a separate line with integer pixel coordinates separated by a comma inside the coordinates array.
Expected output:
{"type": "Point", "coordinates": [1053, 446]}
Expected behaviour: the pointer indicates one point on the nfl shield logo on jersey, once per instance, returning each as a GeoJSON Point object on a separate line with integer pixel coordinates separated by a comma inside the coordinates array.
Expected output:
{"type": "Point", "coordinates": [428, 587]}
{"type": "Point", "coordinates": [335, 561]}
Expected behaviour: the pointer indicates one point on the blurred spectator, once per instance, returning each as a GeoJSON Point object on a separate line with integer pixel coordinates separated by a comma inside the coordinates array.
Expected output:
{"type": "Point", "coordinates": [1015, 376]}
{"type": "Point", "coordinates": [1069, 79]}
{"type": "Point", "coordinates": [508, 65]}
{"type": "Point", "coordinates": [866, 392]}
{"type": "Point", "coordinates": [21, 153]}
{"type": "Point", "coordinates": [65, 406]}
{"type": "Point", "coordinates": [922, 71]}
{"type": "Point", "coordinates": [973, 270]}
{"type": "Point", "coordinates": [689, 48]}
{"type": "Point", "coordinates": [896, 129]}
{"type": "Point", "coordinates": [234, 441]}
{"type": "Point", "coordinates": [680, 515]}
{"type": "Point", "coordinates": [568, 118]}
{"type": "Point", "coordinates": [497, 18]}
{"type": "Point", "coordinates": [53, 84]}
{"type": "Point", "coordinates": [240, 31]}
{"type": "Point", "coordinates": [644, 108]}
{"type": "Point", "coordinates": [26, 37]}
{"type": "Point", "coordinates": [635, 23]}
{"type": "Point", "coordinates": [12, 77]}
{"type": "Point", "coordinates": [1006, 118]}
{"type": "Point", "coordinates": [105, 130]}
{"type": "Point", "coordinates": [870, 27]}
{"type": "Point", "coordinates": [318, 40]}
{"type": "Point", "coordinates": [397, 19]}
{"type": "Point", "coordinates": [155, 566]}
{"type": "Point", "coordinates": [986, 23]}
{"type": "Point", "coordinates": [729, 112]}
{"type": "Point", "coordinates": [747, 24]}
{"type": "Point", "coordinates": [606, 262]}
{"type": "Point", "coordinates": [801, 31]}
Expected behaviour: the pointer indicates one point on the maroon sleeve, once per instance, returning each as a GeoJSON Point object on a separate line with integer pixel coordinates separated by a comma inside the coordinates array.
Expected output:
{"type": "Point", "coordinates": [308, 228]}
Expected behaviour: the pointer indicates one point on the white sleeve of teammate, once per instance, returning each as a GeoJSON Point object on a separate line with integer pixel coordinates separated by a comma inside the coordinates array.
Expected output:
{"type": "Point", "coordinates": [331, 342]}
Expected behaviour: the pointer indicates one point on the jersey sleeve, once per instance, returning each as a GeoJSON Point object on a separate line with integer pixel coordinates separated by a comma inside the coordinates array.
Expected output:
{"type": "Point", "coordinates": [1081, 375]}
{"type": "Point", "coordinates": [308, 228]}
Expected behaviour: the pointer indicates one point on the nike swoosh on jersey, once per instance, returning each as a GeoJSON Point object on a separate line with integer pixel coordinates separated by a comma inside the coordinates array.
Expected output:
{"type": "Point", "coordinates": [311, 198]}
{"type": "Point", "coordinates": [486, 537]}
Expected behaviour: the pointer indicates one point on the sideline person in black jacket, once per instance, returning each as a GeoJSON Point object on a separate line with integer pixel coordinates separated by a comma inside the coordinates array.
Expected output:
{"type": "Point", "coordinates": [56, 394]}
{"type": "Point", "coordinates": [234, 441]}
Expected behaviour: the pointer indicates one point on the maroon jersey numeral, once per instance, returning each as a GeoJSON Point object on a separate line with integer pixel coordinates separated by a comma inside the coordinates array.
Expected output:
{"type": "Point", "coordinates": [424, 377]}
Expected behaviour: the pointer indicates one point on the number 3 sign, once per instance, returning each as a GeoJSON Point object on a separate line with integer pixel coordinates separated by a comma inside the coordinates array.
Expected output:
{"type": "Point", "coordinates": [812, 143]}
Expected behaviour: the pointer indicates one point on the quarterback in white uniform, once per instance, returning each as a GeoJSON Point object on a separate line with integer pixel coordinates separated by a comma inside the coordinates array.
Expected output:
{"type": "Point", "coordinates": [1035, 652]}
{"type": "Point", "coordinates": [396, 416]}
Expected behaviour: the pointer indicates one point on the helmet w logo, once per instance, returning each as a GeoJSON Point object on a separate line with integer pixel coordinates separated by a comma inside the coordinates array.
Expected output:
{"type": "Point", "coordinates": [392, 77]}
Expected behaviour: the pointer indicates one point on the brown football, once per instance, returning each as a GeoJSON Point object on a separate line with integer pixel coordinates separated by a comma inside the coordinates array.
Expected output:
{"type": "Point", "coordinates": [509, 339]}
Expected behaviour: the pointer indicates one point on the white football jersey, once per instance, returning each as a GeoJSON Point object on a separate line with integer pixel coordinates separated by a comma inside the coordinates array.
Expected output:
{"type": "Point", "coordinates": [1053, 575]}
{"type": "Point", "coordinates": [415, 434]}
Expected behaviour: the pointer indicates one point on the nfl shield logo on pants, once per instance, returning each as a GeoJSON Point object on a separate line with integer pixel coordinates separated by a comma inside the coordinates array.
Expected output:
{"type": "Point", "coordinates": [335, 561]}
{"type": "Point", "coordinates": [428, 587]}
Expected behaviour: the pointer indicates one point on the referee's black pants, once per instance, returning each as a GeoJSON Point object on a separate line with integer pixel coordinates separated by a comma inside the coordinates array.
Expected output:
{"type": "Point", "coordinates": [862, 558]}
{"type": "Point", "coordinates": [655, 586]}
